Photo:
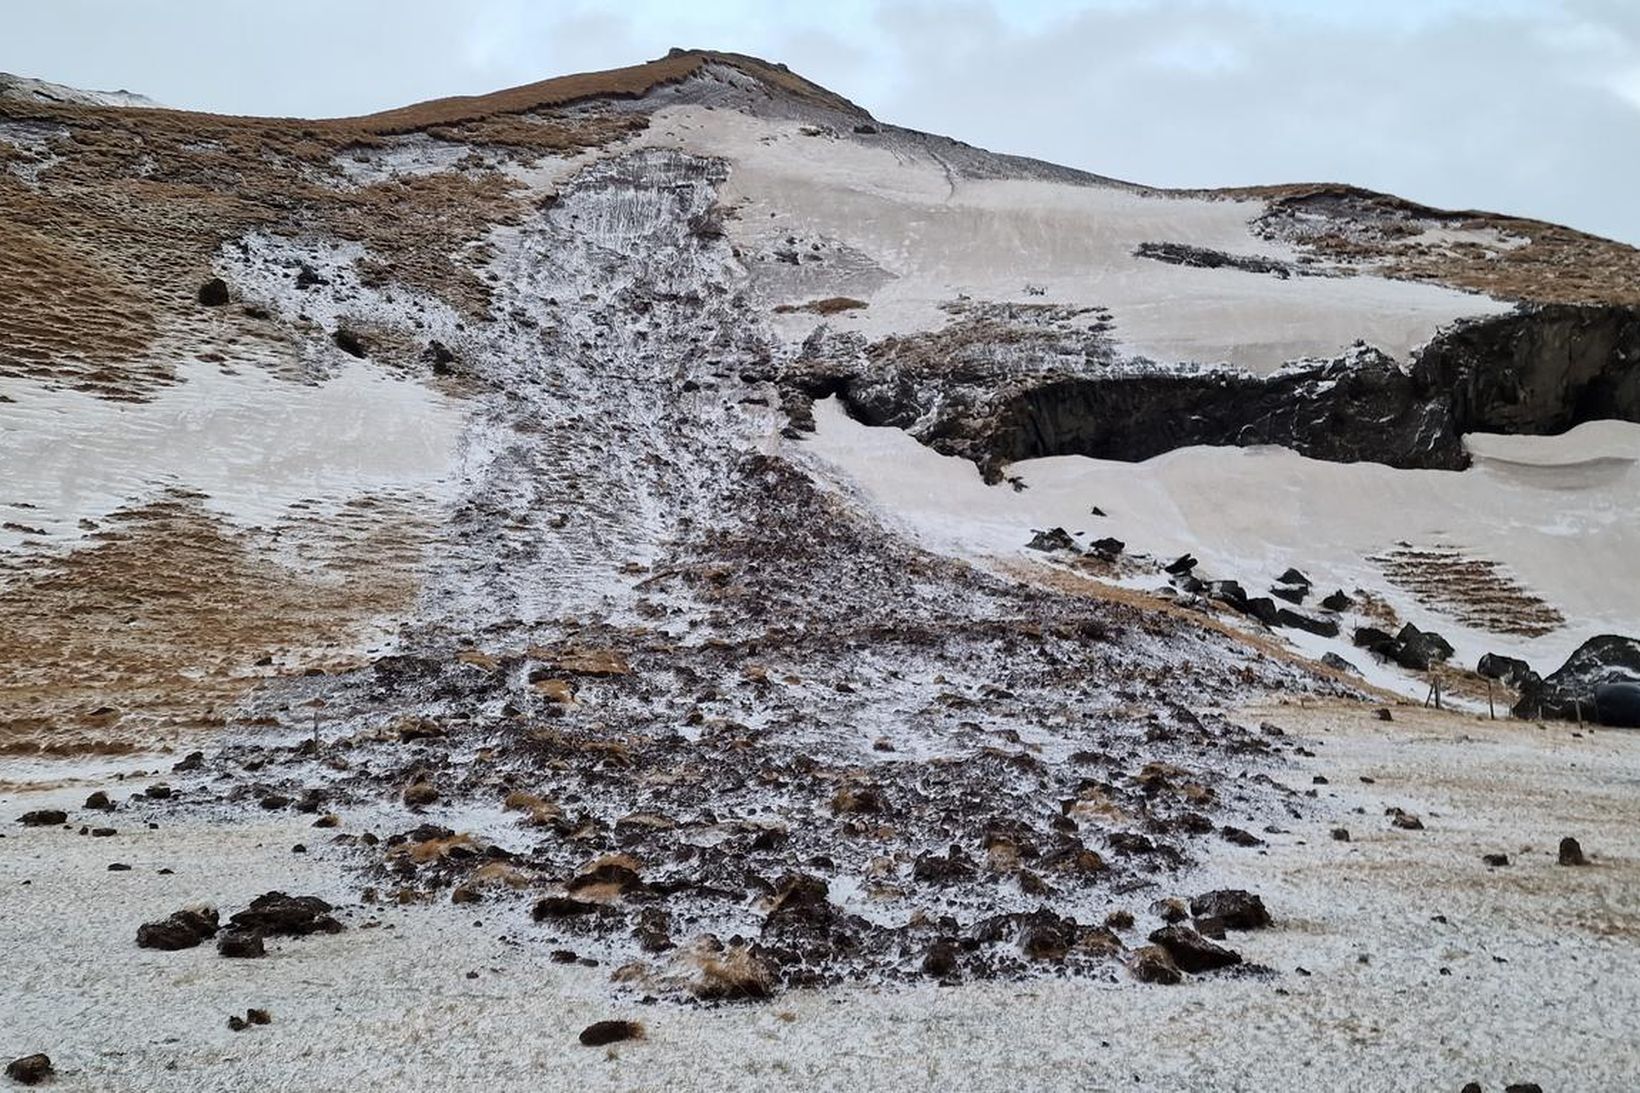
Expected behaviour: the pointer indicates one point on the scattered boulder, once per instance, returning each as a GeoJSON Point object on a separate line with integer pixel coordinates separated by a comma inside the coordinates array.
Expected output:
{"type": "Point", "coordinates": [600, 1033]}
{"type": "Point", "coordinates": [1506, 670]}
{"type": "Point", "coordinates": [1153, 964]}
{"type": "Point", "coordinates": [1341, 834]}
{"type": "Point", "coordinates": [1420, 649]}
{"type": "Point", "coordinates": [30, 1069]}
{"type": "Point", "coordinates": [276, 914]}
{"type": "Point", "coordinates": [1236, 908]}
{"type": "Point", "coordinates": [1191, 951]}
{"type": "Point", "coordinates": [1264, 609]}
{"type": "Point", "coordinates": [1292, 593]}
{"type": "Point", "coordinates": [43, 817]}
{"type": "Point", "coordinates": [1327, 628]}
{"type": "Point", "coordinates": [1052, 540]}
{"type": "Point", "coordinates": [1293, 576]}
{"type": "Point", "coordinates": [100, 802]}
{"type": "Point", "coordinates": [1338, 602]}
{"type": "Point", "coordinates": [182, 930]}
{"type": "Point", "coordinates": [213, 293]}
{"type": "Point", "coordinates": [1571, 852]}
{"type": "Point", "coordinates": [1181, 565]}
{"type": "Point", "coordinates": [240, 944]}
{"type": "Point", "coordinates": [1404, 820]}
{"type": "Point", "coordinates": [1496, 861]}
{"type": "Point", "coordinates": [1108, 547]}
{"type": "Point", "coordinates": [1338, 663]}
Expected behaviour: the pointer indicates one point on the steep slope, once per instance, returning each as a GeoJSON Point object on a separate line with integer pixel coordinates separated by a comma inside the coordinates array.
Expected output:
{"type": "Point", "coordinates": [468, 469]}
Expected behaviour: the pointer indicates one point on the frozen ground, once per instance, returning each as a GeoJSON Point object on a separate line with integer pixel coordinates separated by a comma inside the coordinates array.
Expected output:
{"type": "Point", "coordinates": [1426, 968]}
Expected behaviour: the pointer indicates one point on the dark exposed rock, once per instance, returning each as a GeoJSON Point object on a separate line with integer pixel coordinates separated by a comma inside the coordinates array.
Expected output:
{"type": "Point", "coordinates": [43, 817]}
{"type": "Point", "coordinates": [1292, 593]}
{"type": "Point", "coordinates": [350, 342]}
{"type": "Point", "coordinates": [1191, 951]}
{"type": "Point", "coordinates": [182, 930]}
{"type": "Point", "coordinates": [1617, 704]}
{"type": "Point", "coordinates": [1264, 609]}
{"type": "Point", "coordinates": [1153, 964]}
{"type": "Point", "coordinates": [1420, 649]}
{"type": "Point", "coordinates": [240, 944]}
{"type": "Point", "coordinates": [1294, 577]}
{"type": "Point", "coordinates": [1496, 861]}
{"type": "Point", "coordinates": [600, 1033]}
{"type": "Point", "coordinates": [1407, 821]}
{"type": "Point", "coordinates": [1239, 837]}
{"type": "Point", "coordinates": [1327, 628]}
{"type": "Point", "coordinates": [277, 914]}
{"type": "Point", "coordinates": [1051, 540]}
{"type": "Point", "coordinates": [953, 865]}
{"type": "Point", "coordinates": [556, 907]}
{"type": "Point", "coordinates": [1107, 547]}
{"type": "Point", "coordinates": [1236, 908]}
{"type": "Point", "coordinates": [1571, 852]}
{"type": "Point", "coordinates": [307, 277]}
{"type": "Point", "coordinates": [1337, 601]}
{"type": "Point", "coordinates": [1507, 670]}
{"type": "Point", "coordinates": [420, 794]}
{"type": "Point", "coordinates": [1569, 691]}
{"type": "Point", "coordinates": [30, 1069]}
{"type": "Point", "coordinates": [1183, 254]}
{"type": "Point", "coordinates": [1184, 563]}
{"type": "Point", "coordinates": [100, 802]}
{"type": "Point", "coordinates": [940, 961]}
{"type": "Point", "coordinates": [213, 293]}
{"type": "Point", "coordinates": [1523, 1087]}
{"type": "Point", "coordinates": [1333, 660]}
{"type": "Point", "coordinates": [1341, 834]}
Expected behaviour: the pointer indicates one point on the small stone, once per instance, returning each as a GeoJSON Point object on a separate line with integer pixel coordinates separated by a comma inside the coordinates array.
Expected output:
{"type": "Point", "coordinates": [1119, 920]}
{"type": "Point", "coordinates": [100, 802]}
{"type": "Point", "coordinates": [30, 1069]}
{"type": "Point", "coordinates": [159, 791]}
{"type": "Point", "coordinates": [1571, 853]}
{"type": "Point", "coordinates": [1471, 1087]}
{"type": "Point", "coordinates": [329, 819]}
{"type": "Point", "coordinates": [43, 817]}
{"type": "Point", "coordinates": [118, 867]}
{"type": "Point", "coordinates": [1406, 821]}
{"type": "Point", "coordinates": [258, 1016]}
{"type": "Point", "coordinates": [1496, 861]}
{"type": "Point", "coordinates": [1523, 1087]}
{"type": "Point", "coordinates": [1384, 715]}
{"type": "Point", "coordinates": [237, 1023]}
{"type": "Point", "coordinates": [600, 1033]}
{"type": "Point", "coordinates": [103, 832]}
{"type": "Point", "coordinates": [941, 959]}
{"type": "Point", "coordinates": [1341, 834]}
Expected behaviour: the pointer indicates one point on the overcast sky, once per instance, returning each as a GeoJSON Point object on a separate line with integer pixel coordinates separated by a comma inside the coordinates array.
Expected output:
{"type": "Point", "coordinates": [1522, 106]}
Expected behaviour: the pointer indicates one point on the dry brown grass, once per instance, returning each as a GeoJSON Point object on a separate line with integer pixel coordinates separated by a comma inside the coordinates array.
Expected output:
{"type": "Point", "coordinates": [157, 627]}
{"type": "Point", "coordinates": [1556, 265]}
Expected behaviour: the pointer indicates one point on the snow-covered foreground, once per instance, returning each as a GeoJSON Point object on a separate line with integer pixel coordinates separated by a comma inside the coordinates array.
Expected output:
{"type": "Point", "coordinates": [1250, 513]}
{"type": "Point", "coordinates": [1422, 967]}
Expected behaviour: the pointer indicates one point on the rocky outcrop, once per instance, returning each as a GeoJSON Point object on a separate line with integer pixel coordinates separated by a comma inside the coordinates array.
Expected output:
{"type": "Point", "coordinates": [1539, 369]}
{"type": "Point", "coordinates": [1601, 668]}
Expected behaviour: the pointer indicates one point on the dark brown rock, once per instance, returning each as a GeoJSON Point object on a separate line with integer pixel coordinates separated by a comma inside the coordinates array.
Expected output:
{"type": "Point", "coordinates": [240, 944]}
{"type": "Point", "coordinates": [30, 1069]}
{"type": "Point", "coordinates": [1152, 964]}
{"type": "Point", "coordinates": [43, 817]}
{"type": "Point", "coordinates": [182, 930]}
{"type": "Point", "coordinates": [600, 1033]}
{"type": "Point", "coordinates": [1571, 853]}
{"type": "Point", "coordinates": [213, 293]}
{"type": "Point", "coordinates": [1236, 908]}
{"type": "Point", "coordinates": [100, 802]}
{"type": "Point", "coordinates": [1191, 951]}
{"type": "Point", "coordinates": [276, 914]}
